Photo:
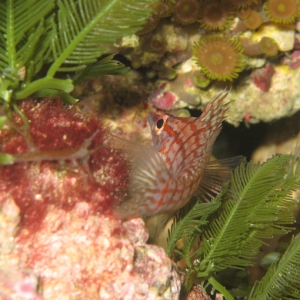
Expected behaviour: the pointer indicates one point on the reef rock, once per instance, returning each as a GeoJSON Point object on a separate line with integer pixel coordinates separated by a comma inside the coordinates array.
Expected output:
{"type": "Point", "coordinates": [58, 238]}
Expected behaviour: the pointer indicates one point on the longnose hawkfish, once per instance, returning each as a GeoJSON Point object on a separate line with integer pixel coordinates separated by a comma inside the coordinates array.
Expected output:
{"type": "Point", "coordinates": [166, 175]}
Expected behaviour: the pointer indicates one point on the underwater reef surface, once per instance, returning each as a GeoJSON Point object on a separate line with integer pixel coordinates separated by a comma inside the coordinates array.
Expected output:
{"type": "Point", "coordinates": [58, 238]}
{"type": "Point", "coordinates": [190, 50]}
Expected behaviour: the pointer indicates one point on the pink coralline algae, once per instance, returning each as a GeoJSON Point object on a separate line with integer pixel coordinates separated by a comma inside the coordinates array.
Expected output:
{"type": "Point", "coordinates": [162, 97]}
{"type": "Point", "coordinates": [18, 284]}
{"type": "Point", "coordinates": [94, 257]}
{"type": "Point", "coordinates": [58, 237]}
{"type": "Point", "coordinates": [171, 94]}
{"type": "Point", "coordinates": [293, 60]}
{"type": "Point", "coordinates": [58, 174]}
{"type": "Point", "coordinates": [262, 77]}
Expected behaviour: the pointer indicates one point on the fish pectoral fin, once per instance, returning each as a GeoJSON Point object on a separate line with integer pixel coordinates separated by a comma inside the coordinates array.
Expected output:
{"type": "Point", "coordinates": [148, 174]}
{"type": "Point", "coordinates": [215, 174]}
{"type": "Point", "coordinates": [149, 170]}
{"type": "Point", "coordinates": [130, 148]}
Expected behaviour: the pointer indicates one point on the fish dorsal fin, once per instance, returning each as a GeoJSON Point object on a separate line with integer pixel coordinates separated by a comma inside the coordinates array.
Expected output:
{"type": "Point", "coordinates": [216, 173]}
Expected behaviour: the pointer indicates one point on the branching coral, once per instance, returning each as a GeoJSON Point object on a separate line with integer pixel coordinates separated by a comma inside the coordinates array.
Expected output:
{"type": "Point", "coordinates": [186, 11]}
{"type": "Point", "coordinates": [215, 15]}
{"type": "Point", "coordinates": [220, 58]}
{"type": "Point", "coordinates": [283, 11]}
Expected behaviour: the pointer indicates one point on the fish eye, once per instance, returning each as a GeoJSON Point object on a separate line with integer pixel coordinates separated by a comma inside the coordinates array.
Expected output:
{"type": "Point", "coordinates": [160, 123]}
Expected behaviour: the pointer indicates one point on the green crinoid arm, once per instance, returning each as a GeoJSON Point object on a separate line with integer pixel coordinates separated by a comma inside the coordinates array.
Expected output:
{"type": "Point", "coordinates": [282, 281]}
{"type": "Point", "coordinates": [66, 35]}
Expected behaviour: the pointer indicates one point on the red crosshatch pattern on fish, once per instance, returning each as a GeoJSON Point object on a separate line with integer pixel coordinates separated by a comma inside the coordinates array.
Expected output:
{"type": "Point", "coordinates": [166, 175]}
